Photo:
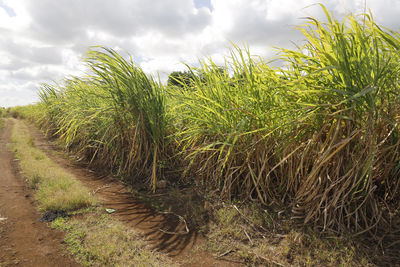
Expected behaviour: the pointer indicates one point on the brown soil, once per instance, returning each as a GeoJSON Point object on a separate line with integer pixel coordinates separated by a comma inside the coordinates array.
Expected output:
{"type": "Point", "coordinates": [183, 248]}
{"type": "Point", "coordinates": [24, 241]}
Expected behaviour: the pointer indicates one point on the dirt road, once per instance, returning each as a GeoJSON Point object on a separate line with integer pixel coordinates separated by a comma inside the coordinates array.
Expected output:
{"type": "Point", "coordinates": [24, 241]}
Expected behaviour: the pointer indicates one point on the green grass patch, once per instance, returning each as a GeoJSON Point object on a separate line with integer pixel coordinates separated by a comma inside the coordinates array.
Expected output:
{"type": "Point", "coordinates": [99, 240]}
{"type": "Point", "coordinates": [55, 188]}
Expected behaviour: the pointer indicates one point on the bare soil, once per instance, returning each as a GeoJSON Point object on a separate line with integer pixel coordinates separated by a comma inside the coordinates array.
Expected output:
{"type": "Point", "coordinates": [24, 241]}
{"type": "Point", "coordinates": [156, 227]}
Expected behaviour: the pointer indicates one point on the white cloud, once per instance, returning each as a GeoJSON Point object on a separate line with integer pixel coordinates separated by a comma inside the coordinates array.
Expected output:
{"type": "Point", "coordinates": [47, 39]}
{"type": "Point", "coordinates": [18, 93]}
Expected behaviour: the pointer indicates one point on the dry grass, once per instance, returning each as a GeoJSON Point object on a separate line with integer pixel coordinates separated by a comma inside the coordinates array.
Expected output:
{"type": "Point", "coordinates": [258, 237]}
{"type": "Point", "coordinates": [255, 235]}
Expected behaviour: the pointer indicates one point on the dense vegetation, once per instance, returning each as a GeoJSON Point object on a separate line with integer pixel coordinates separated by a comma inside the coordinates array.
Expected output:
{"type": "Point", "coordinates": [319, 135]}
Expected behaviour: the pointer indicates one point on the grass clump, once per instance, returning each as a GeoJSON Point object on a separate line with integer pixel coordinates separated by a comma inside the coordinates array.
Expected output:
{"type": "Point", "coordinates": [98, 240]}
{"type": "Point", "coordinates": [55, 188]}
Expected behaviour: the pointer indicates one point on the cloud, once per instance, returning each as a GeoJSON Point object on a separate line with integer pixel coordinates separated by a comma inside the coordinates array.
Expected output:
{"type": "Point", "coordinates": [68, 20]}
{"type": "Point", "coordinates": [17, 93]}
{"type": "Point", "coordinates": [31, 54]}
{"type": "Point", "coordinates": [45, 40]}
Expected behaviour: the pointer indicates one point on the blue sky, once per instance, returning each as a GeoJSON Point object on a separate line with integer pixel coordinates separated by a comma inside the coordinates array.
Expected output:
{"type": "Point", "coordinates": [203, 3]}
{"type": "Point", "coordinates": [9, 10]}
{"type": "Point", "coordinates": [42, 41]}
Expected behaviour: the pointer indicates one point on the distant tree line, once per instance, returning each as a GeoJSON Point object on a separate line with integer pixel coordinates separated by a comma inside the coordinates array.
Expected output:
{"type": "Point", "coordinates": [186, 79]}
{"type": "Point", "coordinates": [182, 79]}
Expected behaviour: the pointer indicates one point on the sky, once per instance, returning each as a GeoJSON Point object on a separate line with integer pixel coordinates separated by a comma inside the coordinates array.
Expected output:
{"type": "Point", "coordinates": [43, 41]}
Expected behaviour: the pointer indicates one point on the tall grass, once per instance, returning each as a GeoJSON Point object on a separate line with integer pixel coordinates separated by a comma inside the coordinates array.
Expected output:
{"type": "Point", "coordinates": [115, 117]}
{"type": "Point", "coordinates": [319, 135]}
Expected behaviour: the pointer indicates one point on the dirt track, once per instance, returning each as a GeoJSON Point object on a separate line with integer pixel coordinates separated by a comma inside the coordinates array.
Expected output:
{"type": "Point", "coordinates": [114, 194]}
{"type": "Point", "coordinates": [24, 241]}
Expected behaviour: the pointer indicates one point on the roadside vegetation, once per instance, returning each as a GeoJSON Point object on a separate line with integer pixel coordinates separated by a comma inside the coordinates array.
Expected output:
{"type": "Point", "coordinates": [92, 236]}
{"type": "Point", "coordinates": [56, 190]}
{"type": "Point", "coordinates": [2, 113]}
{"type": "Point", "coordinates": [99, 240]}
{"type": "Point", "coordinates": [317, 139]}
